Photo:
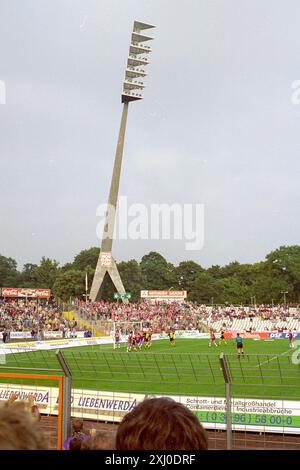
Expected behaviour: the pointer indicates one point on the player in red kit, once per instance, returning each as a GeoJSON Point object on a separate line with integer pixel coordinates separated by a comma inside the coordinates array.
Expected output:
{"type": "Point", "coordinates": [291, 339]}
{"type": "Point", "coordinates": [212, 339]}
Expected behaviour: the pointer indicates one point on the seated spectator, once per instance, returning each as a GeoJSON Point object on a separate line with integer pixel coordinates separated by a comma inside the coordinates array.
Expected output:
{"type": "Point", "coordinates": [17, 431]}
{"type": "Point", "coordinates": [102, 440]}
{"type": "Point", "coordinates": [77, 431]}
{"type": "Point", "coordinates": [161, 424]}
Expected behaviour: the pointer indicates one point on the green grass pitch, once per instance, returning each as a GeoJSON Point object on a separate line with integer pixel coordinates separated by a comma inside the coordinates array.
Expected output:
{"type": "Point", "coordinates": [189, 368]}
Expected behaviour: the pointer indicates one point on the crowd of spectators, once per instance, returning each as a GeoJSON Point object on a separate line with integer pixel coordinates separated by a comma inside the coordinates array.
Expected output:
{"type": "Point", "coordinates": [162, 317]}
{"type": "Point", "coordinates": [184, 316]}
{"type": "Point", "coordinates": [255, 318]}
{"type": "Point", "coordinates": [35, 317]}
{"type": "Point", "coordinates": [40, 318]}
{"type": "Point", "coordinates": [262, 312]}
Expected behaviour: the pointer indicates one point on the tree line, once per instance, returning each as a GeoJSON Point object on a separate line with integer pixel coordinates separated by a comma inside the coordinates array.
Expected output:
{"type": "Point", "coordinates": [269, 281]}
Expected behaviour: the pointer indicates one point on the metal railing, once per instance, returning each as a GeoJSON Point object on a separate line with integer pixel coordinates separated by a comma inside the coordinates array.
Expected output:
{"type": "Point", "coordinates": [251, 401]}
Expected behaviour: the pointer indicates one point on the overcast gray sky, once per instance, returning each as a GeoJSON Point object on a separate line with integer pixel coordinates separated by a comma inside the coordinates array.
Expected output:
{"type": "Point", "coordinates": [217, 125]}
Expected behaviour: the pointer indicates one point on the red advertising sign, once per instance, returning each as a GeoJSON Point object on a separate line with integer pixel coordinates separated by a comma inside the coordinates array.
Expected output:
{"type": "Point", "coordinates": [152, 294]}
{"type": "Point", "coordinates": [256, 335]}
{"type": "Point", "coordinates": [22, 292]}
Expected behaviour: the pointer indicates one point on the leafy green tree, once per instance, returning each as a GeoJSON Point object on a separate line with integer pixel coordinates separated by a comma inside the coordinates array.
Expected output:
{"type": "Point", "coordinates": [231, 269]}
{"type": "Point", "coordinates": [242, 272]}
{"type": "Point", "coordinates": [234, 283]}
{"type": "Point", "coordinates": [267, 290]}
{"type": "Point", "coordinates": [27, 277]}
{"type": "Point", "coordinates": [215, 271]}
{"type": "Point", "coordinates": [108, 289]}
{"type": "Point", "coordinates": [234, 291]}
{"type": "Point", "coordinates": [66, 267]}
{"type": "Point", "coordinates": [284, 264]}
{"type": "Point", "coordinates": [131, 275]}
{"type": "Point", "coordinates": [69, 284]}
{"type": "Point", "coordinates": [269, 283]}
{"type": "Point", "coordinates": [86, 258]}
{"type": "Point", "coordinates": [186, 273]}
{"type": "Point", "coordinates": [9, 276]}
{"type": "Point", "coordinates": [45, 274]}
{"type": "Point", "coordinates": [205, 289]}
{"type": "Point", "coordinates": [157, 272]}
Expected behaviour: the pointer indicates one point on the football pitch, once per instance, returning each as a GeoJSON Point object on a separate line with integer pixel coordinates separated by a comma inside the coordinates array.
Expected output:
{"type": "Point", "coordinates": [190, 367]}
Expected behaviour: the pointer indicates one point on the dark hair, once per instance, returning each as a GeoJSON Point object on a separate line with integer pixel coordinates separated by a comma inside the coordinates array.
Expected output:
{"type": "Point", "coordinates": [160, 424]}
{"type": "Point", "coordinates": [77, 425]}
{"type": "Point", "coordinates": [103, 440]}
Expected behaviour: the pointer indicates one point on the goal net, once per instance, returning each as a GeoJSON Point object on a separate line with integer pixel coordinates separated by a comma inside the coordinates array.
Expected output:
{"type": "Point", "coordinates": [125, 327]}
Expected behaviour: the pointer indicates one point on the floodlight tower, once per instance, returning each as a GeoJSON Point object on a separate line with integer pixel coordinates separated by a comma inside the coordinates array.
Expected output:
{"type": "Point", "coordinates": [132, 91]}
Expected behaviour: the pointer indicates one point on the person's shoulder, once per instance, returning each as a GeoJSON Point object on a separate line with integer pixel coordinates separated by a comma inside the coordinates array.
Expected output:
{"type": "Point", "coordinates": [66, 444]}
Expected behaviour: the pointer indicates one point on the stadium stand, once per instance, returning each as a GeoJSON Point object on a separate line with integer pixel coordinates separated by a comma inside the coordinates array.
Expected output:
{"type": "Point", "coordinates": [188, 316]}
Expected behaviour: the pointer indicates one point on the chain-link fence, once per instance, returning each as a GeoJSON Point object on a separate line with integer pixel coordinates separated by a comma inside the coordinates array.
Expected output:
{"type": "Point", "coordinates": [264, 394]}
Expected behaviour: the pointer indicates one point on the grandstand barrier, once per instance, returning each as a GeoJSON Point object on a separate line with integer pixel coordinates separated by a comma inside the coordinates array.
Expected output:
{"type": "Point", "coordinates": [9, 348]}
{"type": "Point", "coordinates": [47, 334]}
{"type": "Point", "coordinates": [275, 335]}
{"type": "Point", "coordinates": [246, 334]}
{"type": "Point", "coordinates": [259, 396]}
{"type": "Point", "coordinates": [260, 393]}
{"type": "Point", "coordinates": [20, 335]}
{"type": "Point", "coordinates": [248, 414]}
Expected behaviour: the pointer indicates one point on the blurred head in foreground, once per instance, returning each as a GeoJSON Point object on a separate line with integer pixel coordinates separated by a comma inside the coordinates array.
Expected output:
{"type": "Point", "coordinates": [102, 440]}
{"type": "Point", "coordinates": [160, 424]}
{"type": "Point", "coordinates": [17, 429]}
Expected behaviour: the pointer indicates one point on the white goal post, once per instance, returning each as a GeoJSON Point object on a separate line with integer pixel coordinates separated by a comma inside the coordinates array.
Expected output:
{"type": "Point", "coordinates": [125, 327]}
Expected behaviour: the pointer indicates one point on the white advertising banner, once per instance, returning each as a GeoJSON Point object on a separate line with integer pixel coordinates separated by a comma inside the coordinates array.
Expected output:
{"type": "Point", "coordinates": [91, 404]}
{"type": "Point", "coordinates": [10, 348]}
{"type": "Point", "coordinates": [247, 414]}
{"type": "Point", "coordinates": [53, 334]}
{"type": "Point", "coordinates": [20, 334]}
{"type": "Point", "coordinates": [71, 343]}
